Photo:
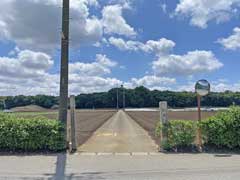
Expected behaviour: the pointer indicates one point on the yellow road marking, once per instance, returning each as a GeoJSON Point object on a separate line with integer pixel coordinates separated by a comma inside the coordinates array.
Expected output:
{"type": "Point", "coordinates": [107, 134]}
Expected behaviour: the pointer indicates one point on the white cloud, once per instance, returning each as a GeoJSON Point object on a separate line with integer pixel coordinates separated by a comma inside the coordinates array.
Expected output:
{"type": "Point", "coordinates": [189, 64]}
{"type": "Point", "coordinates": [189, 87]}
{"type": "Point", "coordinates": [28, 74]}
{"type": "Point", "coordinates": [35, 60]}
{"type": "Point", "coordinates": [125, 45]}
{"type": "Point", "coordinates": [13, 52]}
{"type": "Point", "coordinates": [100, 67]}
{"type": "Point", "coordinates": [90, 77]}
{"type": "Point", "coordinates": [27, 64]}
{"type": "Point", "coordinates": [35, 24]}
{"type": "Point", "coordinates": [124, 3]}
{"type": "Point", "coordinates": [19, 75]}
{"type": "Point", "coordinates": [162, 46]}
{"type": "Point", "coordinates": [46, 84]}
{"type": "Point", "coordinates": [159, 47]}
{"type": "Point", "coordinates": [87, 84]}
{"type": "Point", "coordinates": [232, 42]}
{"type": "Point", "coordinates": [192, 63]}
{"type": "Point", "coordinates": [164, 7]}
{"type": "Point", "coordinates": [201, 12]}
{"type": "Point", "coordinates": [114, 23]}
{"type": "Point", "coordinates": [219, 85]}
{"type": "Point", "coordinates": [152, 81]}
{"type": "Point", "coordinates": [104, 61]}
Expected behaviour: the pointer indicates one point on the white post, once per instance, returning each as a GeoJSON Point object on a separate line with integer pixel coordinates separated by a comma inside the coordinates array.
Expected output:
{"type": "Point", "coordinates": [163, 107]}
{"type": "Point", "coordinates": [73, 124]}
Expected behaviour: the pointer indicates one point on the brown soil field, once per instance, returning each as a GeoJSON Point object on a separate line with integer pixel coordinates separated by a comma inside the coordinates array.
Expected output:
{"type": "Point", "coordinates": [87, 121]}
{"type": "Point", "coordinates": [30, 108]}
{"type": "Point", "coordinates": [149, 119]}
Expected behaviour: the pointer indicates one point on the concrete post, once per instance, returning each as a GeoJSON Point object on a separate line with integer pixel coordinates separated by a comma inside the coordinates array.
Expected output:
{"type": "Point", "coordinates": [163, 107]}
{"type": "Point", "coordinates": [63, 99]}
{"type": "Point", "coordinates": [163, 112]}
{"type": "Point", "coordinates": [73, 124]}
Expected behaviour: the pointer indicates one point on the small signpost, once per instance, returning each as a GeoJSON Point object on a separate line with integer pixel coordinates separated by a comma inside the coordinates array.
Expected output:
{"type": "Point", "coordinates": [202, 88]}
{"type": "Point", "coordinates": [163, 107]}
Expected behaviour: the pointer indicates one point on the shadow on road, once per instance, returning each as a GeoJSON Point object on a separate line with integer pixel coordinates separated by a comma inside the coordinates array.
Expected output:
{"type": "Point", "coordinates": [60, 171]}
{"type": "Point", "coordinates": [60, 167]}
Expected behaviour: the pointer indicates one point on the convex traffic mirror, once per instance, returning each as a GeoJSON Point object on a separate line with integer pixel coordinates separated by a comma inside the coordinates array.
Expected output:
{"type": "Point", "coordinates": [202, 87]}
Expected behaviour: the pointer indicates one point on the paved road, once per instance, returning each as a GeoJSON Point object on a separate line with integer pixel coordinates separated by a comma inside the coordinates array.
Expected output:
{"type": "Point", "coordinates": [120, 134]}
{"type": "Point", "coordinates": [120, 167]}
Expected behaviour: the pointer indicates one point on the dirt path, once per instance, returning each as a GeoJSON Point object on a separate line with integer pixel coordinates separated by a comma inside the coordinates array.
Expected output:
{"type": "Point", "coordinates": [119, 134]}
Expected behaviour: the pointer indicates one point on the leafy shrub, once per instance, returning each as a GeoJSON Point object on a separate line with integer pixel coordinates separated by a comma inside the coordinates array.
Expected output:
{"type": "Point", "coordinates": [180, 134]}
{"type": "Point", "coordinates": [223, 129]}
{"type": "Point", "coordinates": [22, 134]}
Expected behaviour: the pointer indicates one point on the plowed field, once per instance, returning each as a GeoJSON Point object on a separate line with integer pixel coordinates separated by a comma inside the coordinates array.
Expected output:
{"type": "Point", "coordinates": [149, 119]}
{"type": "Point", "coordinates": [87, 121]}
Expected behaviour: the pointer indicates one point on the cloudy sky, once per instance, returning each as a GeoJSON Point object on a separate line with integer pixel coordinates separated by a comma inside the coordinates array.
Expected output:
{"type": "Point", "coordinates": [160, 44]}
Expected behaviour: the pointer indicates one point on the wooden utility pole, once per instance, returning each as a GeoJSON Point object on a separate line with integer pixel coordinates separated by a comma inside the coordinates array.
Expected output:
{"type": "Point", "coordinates": [63, 101]}
{"type": "Point", "coordinates": [117, 99]}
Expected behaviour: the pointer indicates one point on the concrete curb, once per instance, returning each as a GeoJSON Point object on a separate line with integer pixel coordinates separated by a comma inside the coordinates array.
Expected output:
{"type": "Point", "coordinates": [118, 154]}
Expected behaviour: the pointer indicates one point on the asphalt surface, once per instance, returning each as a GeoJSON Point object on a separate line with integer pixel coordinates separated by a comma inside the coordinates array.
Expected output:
{"type": "Point", "coordinates": [119, 134]}
{"type": "Point", "coordinates": [121, 167]}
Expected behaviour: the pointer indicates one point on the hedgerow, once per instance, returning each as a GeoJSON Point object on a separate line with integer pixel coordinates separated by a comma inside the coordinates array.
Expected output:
{"type": "Point", "coordinates": [223, 129]}
{"type": "Point", "coordinates": [35, 134]}
{"type": "Point", "coordinates": [180, 134]}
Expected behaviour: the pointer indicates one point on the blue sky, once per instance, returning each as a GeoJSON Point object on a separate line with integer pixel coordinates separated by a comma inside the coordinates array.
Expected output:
{"type": "Point", "coordinates": [159, 44]}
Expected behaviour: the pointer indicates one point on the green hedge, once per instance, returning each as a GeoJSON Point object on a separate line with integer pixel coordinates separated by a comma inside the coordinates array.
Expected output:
{"type": "Point", "coordinates": [223, 129]}
{"type": "Point", "coordinates": [37, 134]}
{"type": "Point", "coordinates": [181, 134]}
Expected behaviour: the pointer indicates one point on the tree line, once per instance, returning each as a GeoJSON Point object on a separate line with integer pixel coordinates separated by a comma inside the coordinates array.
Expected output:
{"type": "Point", "coordinates": [16, 101]}
{"type": "Point", "coordinates": [135, 98]}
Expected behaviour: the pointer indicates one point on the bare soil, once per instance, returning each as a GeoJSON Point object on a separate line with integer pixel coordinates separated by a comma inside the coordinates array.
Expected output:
{"type": "Point", "coordinates": [149, 119]}
{"type": "Point", "coordinates": [87, 121]}
{"type": "Point", "coordinates": [30, 108]}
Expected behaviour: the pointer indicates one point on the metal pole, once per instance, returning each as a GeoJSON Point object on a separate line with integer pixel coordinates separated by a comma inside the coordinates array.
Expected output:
{"type": "Point", "coordinates": [63, 101]}
{"type": "Point", "coordinates": [199, 107]}
{"type": "Point", "coordinates": [4, 104]}
{"type": "Point", "coordinates": [123, 98]}
{"type": "Point", "coordinates": [117, 99]}
{"type": "Point", "coordinates": [199, 134]}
